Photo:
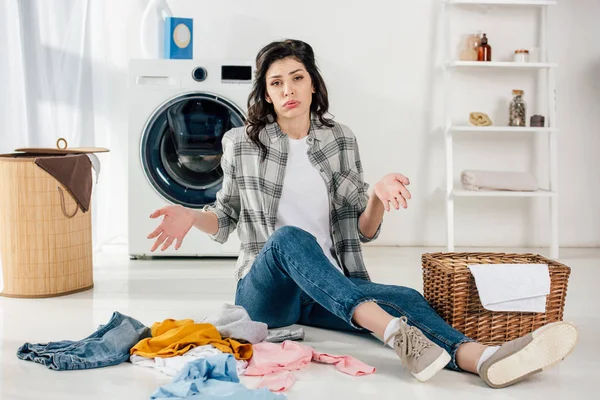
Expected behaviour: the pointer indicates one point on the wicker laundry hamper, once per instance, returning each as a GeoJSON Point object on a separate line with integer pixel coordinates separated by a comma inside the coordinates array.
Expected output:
{"type": "Point", "coordinates": [450, 289]}
{"type": "Point", "coordinates": [45, 239]}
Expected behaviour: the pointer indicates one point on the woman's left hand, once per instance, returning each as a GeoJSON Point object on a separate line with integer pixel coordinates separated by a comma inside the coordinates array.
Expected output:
{"type": "Point", "coordinates": [392, 189]}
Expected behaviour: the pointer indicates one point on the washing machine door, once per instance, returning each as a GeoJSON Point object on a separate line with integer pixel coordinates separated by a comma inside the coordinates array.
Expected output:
{"type": "Point", "coordinates": [181, 147]}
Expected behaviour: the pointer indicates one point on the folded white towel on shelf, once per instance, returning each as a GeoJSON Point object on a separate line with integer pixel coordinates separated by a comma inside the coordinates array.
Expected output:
{"type": "Point", "coordinates": [512, 287]}
{"type": "Point", "coordinates": [498, 180]}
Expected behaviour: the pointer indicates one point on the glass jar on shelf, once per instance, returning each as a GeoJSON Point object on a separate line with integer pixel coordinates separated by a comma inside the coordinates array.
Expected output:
{"type": "Point", "coordinates": [521, 56]}
{"type": "Point", "coordinates": [517, 109]}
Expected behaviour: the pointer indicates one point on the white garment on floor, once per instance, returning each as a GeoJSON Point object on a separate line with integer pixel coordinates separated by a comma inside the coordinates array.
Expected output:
{"type": "Point", "coordinates": [512, 287]}
{"type": "Point", "coordinates": [304, 200]}
{"type": "Point", "coordinates": [173, 365]}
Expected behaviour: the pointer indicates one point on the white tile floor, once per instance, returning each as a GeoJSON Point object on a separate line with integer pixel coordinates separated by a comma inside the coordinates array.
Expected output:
{"type": "Point", "coordinates": [154, 290]}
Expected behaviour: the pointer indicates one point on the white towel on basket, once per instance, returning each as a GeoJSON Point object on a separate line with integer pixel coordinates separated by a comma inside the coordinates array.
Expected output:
{"type": "Point", "coordinates": [498, 180]}
{"type": "Point", "coordinates": [512, 287]}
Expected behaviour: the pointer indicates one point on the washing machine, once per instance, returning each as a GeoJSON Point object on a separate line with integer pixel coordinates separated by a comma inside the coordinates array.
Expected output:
{"type": "Point", "coordinates": [179, 111]}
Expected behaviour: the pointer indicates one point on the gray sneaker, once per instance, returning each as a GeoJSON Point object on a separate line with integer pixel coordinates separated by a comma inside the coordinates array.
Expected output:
{"type": "Point", "coordinates": [419, 355]}
{"type": "Point", "coordinates": [528, 355]}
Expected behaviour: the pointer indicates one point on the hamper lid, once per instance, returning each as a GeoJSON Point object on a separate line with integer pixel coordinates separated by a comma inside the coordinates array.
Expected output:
{"type": "Point", "coordinates": [62, 148]}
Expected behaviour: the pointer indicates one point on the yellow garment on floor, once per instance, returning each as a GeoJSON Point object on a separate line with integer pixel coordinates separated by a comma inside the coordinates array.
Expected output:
{"type": "Point", "coordinates": [172, 338]}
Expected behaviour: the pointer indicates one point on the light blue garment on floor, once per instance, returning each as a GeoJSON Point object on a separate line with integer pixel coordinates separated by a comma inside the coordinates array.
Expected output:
{"type": "Point", "coordinates": [211, 378]}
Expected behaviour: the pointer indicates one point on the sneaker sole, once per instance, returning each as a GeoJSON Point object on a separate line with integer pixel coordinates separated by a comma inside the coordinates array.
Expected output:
{"type": "Point", "coordinates": [434, 367]}
{"type": "Point", "coordinates": [550, 345]}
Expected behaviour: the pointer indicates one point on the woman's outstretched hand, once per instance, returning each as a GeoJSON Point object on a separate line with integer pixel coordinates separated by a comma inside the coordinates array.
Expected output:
{"type": "Point", "coordinates": [176, 223]}
{"type": "Point", "coordinates": [392, 190]}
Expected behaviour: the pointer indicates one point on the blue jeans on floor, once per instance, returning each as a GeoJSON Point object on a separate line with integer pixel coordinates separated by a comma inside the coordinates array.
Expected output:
{"type": "Point", "coordinates": [109, 345]}
{"type": "Point", "coordinates": [293, 282]}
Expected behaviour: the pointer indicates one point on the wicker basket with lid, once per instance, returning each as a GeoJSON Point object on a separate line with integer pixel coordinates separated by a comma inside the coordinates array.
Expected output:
{"type": "Point", "coordinates": [45, 238]}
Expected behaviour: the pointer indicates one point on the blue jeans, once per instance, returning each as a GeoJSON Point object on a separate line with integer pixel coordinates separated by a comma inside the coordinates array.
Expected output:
{"type": "Point", "coordinates": [109, 345]}
{"type": "Point", "coordinates": [293, 282]}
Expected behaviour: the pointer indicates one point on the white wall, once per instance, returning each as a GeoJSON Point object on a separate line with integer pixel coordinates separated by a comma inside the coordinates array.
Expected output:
{"type": "Point", "coordinates": [380, 60]}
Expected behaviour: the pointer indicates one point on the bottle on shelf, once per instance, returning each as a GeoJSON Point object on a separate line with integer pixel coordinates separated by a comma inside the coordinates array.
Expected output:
{"type": "Point", "coordinates": [484, 51]}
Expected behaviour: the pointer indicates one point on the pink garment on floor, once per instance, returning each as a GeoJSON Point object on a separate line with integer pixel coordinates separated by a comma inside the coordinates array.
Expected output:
{"type": "Point", "coordinates": [277, 381]}
{"type": "Point", "coordinates": [273, 361]}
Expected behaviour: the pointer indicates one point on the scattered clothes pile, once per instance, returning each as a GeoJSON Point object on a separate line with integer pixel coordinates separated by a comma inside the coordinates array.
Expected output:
{"type": "Point", "coordinates": [205, 357]}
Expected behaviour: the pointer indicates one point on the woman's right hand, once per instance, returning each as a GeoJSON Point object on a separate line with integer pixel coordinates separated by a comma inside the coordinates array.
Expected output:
{"type": "Point", "coordinates": [176, 223]}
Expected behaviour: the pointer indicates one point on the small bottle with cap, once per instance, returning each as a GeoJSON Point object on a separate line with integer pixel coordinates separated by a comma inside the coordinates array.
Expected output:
{"type": "Point", "coordinates": [484, 51]}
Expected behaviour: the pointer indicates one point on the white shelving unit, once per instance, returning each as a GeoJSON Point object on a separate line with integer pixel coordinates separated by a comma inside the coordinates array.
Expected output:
{"type": "Point", "coordinates": [451, 66]}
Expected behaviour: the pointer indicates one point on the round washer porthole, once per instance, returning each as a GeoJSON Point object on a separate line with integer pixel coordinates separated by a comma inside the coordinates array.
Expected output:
{"type": "Point", "coordinates": [181, 147]}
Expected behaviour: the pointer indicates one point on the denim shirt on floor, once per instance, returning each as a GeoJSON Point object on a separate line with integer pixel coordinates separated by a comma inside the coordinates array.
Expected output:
{"type": "Point", "coordinates": [109, 345]}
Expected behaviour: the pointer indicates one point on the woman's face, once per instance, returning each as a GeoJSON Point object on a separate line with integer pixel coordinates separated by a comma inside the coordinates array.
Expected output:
{"type": "Point", "coordinates": [289, 88]}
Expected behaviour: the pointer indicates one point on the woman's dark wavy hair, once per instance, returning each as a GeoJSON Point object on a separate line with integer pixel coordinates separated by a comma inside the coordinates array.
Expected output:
{"type": "Point", "coordinates": [261, 112]}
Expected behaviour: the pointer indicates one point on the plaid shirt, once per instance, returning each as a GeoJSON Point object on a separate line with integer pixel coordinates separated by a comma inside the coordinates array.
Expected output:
{"type": "Point", "coordinates": [252, 188]}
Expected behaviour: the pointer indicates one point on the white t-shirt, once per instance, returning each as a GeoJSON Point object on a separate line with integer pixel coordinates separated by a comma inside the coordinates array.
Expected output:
{"type": "Point", "coordinates": [304, 199]}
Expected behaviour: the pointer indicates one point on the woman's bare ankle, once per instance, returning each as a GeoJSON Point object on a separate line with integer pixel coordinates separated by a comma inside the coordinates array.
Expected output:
{"type": "Point", "coordinates": [372, 317]}
{"type": "Point", "coordinates": [468, 354]}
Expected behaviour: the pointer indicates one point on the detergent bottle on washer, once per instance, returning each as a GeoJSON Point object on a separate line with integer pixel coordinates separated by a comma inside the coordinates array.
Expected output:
{"type": "Point", "coordinates": [152, 28]}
